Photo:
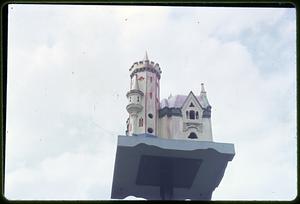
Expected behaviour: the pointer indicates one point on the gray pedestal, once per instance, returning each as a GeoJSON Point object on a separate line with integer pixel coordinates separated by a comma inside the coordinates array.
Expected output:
{"type": "Point", "coordinates": [158, 169]}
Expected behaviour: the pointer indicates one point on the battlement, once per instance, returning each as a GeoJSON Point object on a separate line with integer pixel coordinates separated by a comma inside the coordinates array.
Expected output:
{"type": "Point", "coordinates": [145, 65]}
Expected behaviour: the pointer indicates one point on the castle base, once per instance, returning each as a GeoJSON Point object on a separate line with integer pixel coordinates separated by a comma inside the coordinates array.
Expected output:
{"type": "Point", "coordinates": [161, 169]}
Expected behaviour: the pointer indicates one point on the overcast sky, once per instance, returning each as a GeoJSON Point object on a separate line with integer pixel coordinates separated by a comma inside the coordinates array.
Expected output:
{"type": "Point", "coordinates": [68, 77]}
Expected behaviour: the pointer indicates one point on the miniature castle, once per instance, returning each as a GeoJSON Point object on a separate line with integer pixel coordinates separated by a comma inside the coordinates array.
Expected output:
{"type": "Point", "coordinates": [178, 117]}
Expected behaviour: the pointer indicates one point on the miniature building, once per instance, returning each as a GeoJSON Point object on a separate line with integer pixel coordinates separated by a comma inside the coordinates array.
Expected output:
{"type": "Point", "coordinates": [168, 152]}
{"type": "Point", "coordinates": [178, 117]}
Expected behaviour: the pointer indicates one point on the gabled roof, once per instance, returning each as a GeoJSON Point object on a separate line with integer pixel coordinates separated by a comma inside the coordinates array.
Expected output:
{"type": "Point", "coordinates": [191, 94]}
{"type": "Point", "coordinates": [178, 101]}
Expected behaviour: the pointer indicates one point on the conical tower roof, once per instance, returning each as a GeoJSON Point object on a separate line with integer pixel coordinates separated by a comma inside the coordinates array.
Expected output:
{"type": "Point", "coordinates": [135, 85]}
{"type": "Point", "coordinates": [203, 97]}
{"type": "Point", "coordinates": [202, 88]}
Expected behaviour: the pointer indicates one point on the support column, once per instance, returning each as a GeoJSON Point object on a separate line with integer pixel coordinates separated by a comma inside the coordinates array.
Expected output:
{"type": "Point", "coordinates": [166, 179]}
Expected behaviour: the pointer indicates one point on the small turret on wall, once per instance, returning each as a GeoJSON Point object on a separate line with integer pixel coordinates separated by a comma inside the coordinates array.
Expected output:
{"type": "Point", "coordinates": [134, 106]}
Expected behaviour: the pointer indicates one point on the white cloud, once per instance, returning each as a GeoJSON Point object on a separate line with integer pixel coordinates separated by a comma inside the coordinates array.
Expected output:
{"type": "Point", "coordinates": [68, 76]}
{"type": "Point", "coordinates": [78, 175]}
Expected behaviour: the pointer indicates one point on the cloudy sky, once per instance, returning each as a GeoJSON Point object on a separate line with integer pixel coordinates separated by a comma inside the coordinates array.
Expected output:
{"type": "Point", "coordinates": [68, 76]}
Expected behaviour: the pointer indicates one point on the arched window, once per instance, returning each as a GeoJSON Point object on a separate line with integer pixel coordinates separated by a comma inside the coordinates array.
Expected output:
{"type": "Point", "coordinates": [192, 115]}
{"type": "Point", "coordinates": [141, 121]}
{"type": "Point", "coordinates": [187, 114]}
{"type": "Point", "coordinates": [192, 105]}
{"type": "Point", "coordinates": [197, 115]}
{"type": "Point", "coordinates": [192, 135]}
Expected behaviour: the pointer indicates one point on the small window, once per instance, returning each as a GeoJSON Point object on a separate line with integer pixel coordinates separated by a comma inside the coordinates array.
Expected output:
{"type": "Point", "coordinates": [141, 122]}
{"type": "Point", "coordinates": [187, 114]}
{"type": "Point", "coordinates": [150, 130]}
{"type": "Point", "coordinates": [151, 95]}
{"type": "Point", "coordinates": [138, 99]}
{"type": "Point", "coordinates": [150, 115]}
{"type": "Point", "coordinates": [197, 115]}
{"type": "Point", "coordinates": [192, 115]}
{"type": "Point", "coordinates": [192, 136]}
{"type": "Point", "coordinates": [192, 105]}
{"type": "Point", "coordinates": [129, 99]}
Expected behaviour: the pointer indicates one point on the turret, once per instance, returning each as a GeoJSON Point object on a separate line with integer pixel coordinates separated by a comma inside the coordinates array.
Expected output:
{"type": "Point", "coordinates": [206, 117]}
{"type": "Point", "coordinates": [144, 97]}
{"type": "Point", "coordinates": [205, 103]}
{"type": "Point", "coordinates": [134, 106]}
{"type": "Point", "coordinates": [134, 97]}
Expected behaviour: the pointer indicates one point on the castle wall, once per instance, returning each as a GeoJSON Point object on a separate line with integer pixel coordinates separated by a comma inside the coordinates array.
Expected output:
{"type": "Point", "coordinates": [173, 128]}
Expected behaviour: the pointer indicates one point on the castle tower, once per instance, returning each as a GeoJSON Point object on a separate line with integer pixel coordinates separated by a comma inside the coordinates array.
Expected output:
{"type": "Point", "coordinates": [143, 97]}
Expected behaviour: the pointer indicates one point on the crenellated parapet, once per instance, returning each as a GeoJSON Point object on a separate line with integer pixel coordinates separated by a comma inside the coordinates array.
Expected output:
{"type": "Point", "coordinates": [145, 65]}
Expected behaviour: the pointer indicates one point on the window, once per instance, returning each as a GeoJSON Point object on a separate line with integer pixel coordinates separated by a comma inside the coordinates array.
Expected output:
{"type": "Point", "coordinates": [150, 115]}
{"type": "Point", "coordinates": [192, 136]}
{"type": "Point", "coordinates": [192, 115]}
{"type": "Point", "coordinates": [197, 115]}
{"type": "Point", "coordinates": [150, 130]}
{"type": "Point", "coordinates": [141, 121]}
{"type": "Point", "coordinates": [187, 114]}
{"type": "Point", "coordinates": [150, 95]}
{"type": "Point", "coordinates": [129, 99]}
{"type": "Point", "coordinates": [138, 99]}
{"type": "Point", "coordinates": [151, 79]}
{"type": "Point", "coordinates": [192, 105]}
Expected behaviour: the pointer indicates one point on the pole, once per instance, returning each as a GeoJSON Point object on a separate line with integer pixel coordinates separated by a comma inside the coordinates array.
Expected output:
{"type": "Point", "coordinates": [166, 179]}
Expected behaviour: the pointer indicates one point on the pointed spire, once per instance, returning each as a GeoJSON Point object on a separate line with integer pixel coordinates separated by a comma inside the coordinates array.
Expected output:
{"type": "Point", "coordinates": [146, 57]}
{"type": "Point", "coordinates": [202, 88]}
{"type": "Point", "coordinates": [135, 84]}
{"type": "Point", "coordinates": [203, 97]}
